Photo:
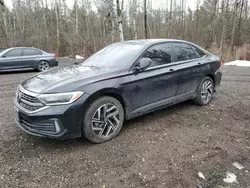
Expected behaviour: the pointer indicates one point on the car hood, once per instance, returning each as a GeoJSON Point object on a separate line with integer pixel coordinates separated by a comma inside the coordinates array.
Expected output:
{"type": "Point", "coordinates": [66, 78]}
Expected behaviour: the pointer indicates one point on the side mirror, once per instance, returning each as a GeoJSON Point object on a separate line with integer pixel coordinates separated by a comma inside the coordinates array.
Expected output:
{"type": "Point", "coordinates": [3, 56]}
{"type": "Point", "coordinates": [144, 63]}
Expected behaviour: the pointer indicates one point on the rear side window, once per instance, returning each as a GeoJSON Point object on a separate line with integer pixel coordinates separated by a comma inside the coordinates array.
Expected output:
{"type": "Point", "coordinates": [31, 52]}
{"type": "Point", "coordinates": [198, 51]}
{"type": "Point", "coordinates": [185, 52]}
{"type": "Point", "coordinates": [13, 53]}
{"type": "Point", "coordinates": [160, 54]}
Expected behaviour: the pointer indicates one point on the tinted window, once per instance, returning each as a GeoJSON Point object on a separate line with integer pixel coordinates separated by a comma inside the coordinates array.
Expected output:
{"type": "Point", "coordinates": [198, 51]}
{"type": "Point", "coordinates": [160, 54]}
{"type": "Point", "coordinates": [13, 53]}
{"type": "Point", "coordinates": [30, 52]}
{"type": "Point", "coordinates": [184, 52]}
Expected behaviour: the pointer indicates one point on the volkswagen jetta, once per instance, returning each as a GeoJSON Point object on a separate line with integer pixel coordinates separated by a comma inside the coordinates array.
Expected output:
{"type": "Point", "coordinates": [122, 81]}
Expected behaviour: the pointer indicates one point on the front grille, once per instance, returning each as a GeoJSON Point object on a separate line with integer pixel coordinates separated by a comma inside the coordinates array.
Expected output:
{"type": "Point", "coordinates": [29, 107]}
{"type": "Point", "coordinates": [28, 98]}
{"type": "Point", "coordinates": [28, 102]}
{"type": "Point", "coordinates": [44, 126]}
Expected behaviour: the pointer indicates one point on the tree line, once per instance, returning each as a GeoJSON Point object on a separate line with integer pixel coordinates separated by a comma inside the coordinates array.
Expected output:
{"type": "Point", "coordinates": [91, 25]}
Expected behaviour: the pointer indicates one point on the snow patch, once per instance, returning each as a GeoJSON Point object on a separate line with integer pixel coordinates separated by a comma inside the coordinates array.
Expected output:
{"type": "Point", "coordinates": [202, 176]}
{"type": "Point", "coordinates": [240, 63]}
{"type": "Point", "coordinates": [79, 57]}
{"type": "Point", "coordinates": [238, 165]}
{"type": "Point", "coordinates": [231, 178]}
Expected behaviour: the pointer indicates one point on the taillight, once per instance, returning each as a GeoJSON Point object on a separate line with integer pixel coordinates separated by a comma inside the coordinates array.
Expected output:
{"type": "Point", "coordinates": [220, 63]}
{"type": "Point", "coordinates": [54, 56]}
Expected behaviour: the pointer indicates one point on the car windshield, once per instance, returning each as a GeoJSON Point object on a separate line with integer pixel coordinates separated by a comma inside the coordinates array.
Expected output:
{"type": "Point", "coordinates": [118, 55]}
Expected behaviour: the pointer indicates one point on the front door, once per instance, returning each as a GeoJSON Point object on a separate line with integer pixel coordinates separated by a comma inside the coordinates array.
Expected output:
{"type": "Point", "coordinates": [149, 88]}
{"type": "Point", "coordinates": [11, 60]}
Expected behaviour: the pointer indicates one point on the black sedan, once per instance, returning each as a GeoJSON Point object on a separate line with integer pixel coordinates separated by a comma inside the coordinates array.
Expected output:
{"type": "Point", "coordinates": [23, 58]}
{"type": "Point", "coordinates": [120, 82]}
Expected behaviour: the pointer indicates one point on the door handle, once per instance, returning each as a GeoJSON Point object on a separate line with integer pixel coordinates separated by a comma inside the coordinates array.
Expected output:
{"type": "Point", "coordinates": [171, 70]}
{"type": "Point", "coordinates": [199, 63]}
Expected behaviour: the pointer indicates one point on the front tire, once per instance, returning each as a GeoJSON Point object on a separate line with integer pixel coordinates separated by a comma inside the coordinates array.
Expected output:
{"type": "Point", "coordinates": [205, 92]}
{"type": "Point", "coordinates": [43, 66]}
{"type": "Point", "coordinates": [103, 119]}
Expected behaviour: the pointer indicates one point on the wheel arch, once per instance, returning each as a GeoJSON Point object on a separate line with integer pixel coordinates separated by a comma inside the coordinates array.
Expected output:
{"type": "Point", "coordinates": [112, 92]}
{"type": "Point", "coordinates": [212, 77]}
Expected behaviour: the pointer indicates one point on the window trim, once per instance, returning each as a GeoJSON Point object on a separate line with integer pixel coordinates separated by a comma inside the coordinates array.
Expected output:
{"type": "Point", "coordinates": [159, 66]}
{"type": "Point", "coordinates": [173, 64]}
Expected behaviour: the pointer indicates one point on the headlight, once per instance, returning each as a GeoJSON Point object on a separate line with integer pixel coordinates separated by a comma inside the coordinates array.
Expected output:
{"type": "Point", "coordinates": [59, 98]}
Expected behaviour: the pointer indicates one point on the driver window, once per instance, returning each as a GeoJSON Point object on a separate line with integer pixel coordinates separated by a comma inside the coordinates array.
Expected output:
{"type": "Point", "coordinates": [160, 54]}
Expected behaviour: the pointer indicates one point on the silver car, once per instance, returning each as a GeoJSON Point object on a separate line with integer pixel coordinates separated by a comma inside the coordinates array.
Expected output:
{"type": "Point", "coordinates": [23, 58]}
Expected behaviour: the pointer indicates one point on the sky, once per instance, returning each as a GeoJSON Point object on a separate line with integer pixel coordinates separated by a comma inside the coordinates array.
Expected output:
{"type": "Point", "coordinates": [156, 3]}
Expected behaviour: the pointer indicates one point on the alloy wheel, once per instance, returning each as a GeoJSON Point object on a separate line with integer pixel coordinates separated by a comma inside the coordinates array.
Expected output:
{"type": "Point", "coordinates": [207, 91]}
{"type": "Point", "coordinates": [43, 66]}
{"type": "Point", "coordinates": [105, 120]}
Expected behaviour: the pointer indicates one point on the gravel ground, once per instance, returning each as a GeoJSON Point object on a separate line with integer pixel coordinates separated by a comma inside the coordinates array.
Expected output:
{"type": "Point", "coordinates": [163, 149]}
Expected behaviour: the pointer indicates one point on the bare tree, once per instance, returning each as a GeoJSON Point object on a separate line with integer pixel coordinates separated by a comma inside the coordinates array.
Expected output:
{"type": "Point", "coordinates": [119, 9]}
{"type": "Point", "coordinates": [236, 4]}
{"type": "Point", "coordinates": [240, 21]}
{"type": "Point", "coordinates": [57, 26]}
{"type": "Point", "coordinates": [145, 20]}
{"type": "Point", "coordinates": [45, 22]}
{"type": "Point", "coordinates": [223, 33]}
{"type": "Point", "coordinates": [134, 14]}
{"type": "Point", "coordinates": [108, 4]}
{"type": "Point", "coordinates": [171, 10]}
{"type": "Point", "coordinates": [76, 17]}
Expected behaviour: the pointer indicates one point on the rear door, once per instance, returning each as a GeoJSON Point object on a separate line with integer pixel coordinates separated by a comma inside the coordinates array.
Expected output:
{"type": "Point", "coordinates": [189, 65]}
{"type": "Point", "coordinates": [30, 57]}
{"type": "Point", "coordinates": [11, 60]}
{"type": "Point", "coordinates": [152, 86]}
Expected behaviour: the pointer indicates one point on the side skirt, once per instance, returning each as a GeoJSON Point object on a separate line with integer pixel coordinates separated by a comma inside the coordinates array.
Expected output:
{"type": "Point", "coordinates": [161, 104]}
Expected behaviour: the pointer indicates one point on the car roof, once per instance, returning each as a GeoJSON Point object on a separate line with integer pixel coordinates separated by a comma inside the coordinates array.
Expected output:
{"type": "Point", "coordinates": [149, 42]}
{"type": "Point", "coordinates": [153, 41]}
{"type": "Point", "coordinates": [22, 48]}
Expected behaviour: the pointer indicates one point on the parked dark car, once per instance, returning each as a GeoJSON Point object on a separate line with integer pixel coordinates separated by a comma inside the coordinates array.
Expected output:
{"type": "Point", "coordinates": [23, 58]}
{"type": "Point", "coordinates": [120, 82]}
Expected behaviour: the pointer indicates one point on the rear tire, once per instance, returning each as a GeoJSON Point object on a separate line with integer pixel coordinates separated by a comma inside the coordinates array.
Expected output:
{"type": "Point", "coordinates": [103, 119]}
{"type": "Point", "coordinates": [43, 66]}
{"type": "Point", "coordinates": [205, 92]}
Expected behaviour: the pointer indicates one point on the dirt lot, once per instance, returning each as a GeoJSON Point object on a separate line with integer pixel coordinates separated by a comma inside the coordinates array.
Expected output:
{"type": "Point", "coordinates": [163, 149]}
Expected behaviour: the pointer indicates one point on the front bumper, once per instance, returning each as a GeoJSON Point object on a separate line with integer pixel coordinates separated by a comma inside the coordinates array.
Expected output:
{"type": "Point", "coordinates": [63, 122]}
